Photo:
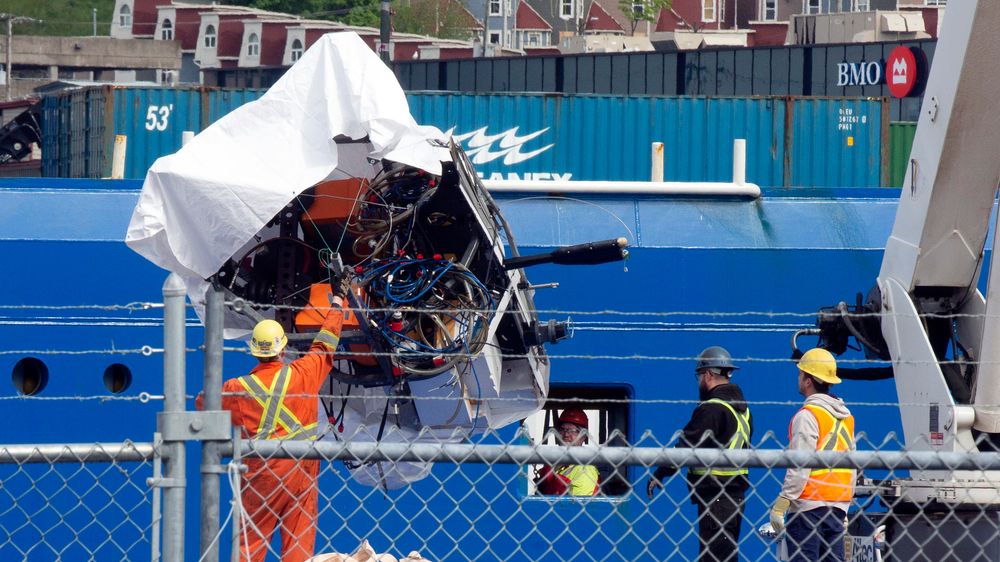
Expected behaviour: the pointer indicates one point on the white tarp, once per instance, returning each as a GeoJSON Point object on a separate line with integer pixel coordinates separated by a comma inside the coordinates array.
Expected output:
{"type": "Point", "coordinates": [201, 204]}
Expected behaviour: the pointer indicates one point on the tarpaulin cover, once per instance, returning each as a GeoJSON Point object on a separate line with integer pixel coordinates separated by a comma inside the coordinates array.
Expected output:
{"type": "Point", "coordinates": [201, 204]}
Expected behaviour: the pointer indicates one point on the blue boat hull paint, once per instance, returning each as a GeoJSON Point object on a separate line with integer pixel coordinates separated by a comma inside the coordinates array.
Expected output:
{"type": "Point", "coordinates": [773, 255]}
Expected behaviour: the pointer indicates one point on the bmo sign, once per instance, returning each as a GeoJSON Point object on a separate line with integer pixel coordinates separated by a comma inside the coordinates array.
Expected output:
{"type": "Point", "coordinates": [900, 72]}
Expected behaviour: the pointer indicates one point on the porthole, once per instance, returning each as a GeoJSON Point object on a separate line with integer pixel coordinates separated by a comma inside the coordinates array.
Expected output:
{"type": "Point", "coordinates": [30, 376]}
{"type": "Point", "coordinates": [117, 378]}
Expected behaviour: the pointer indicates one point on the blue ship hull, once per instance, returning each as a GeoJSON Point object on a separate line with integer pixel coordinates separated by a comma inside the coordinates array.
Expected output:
{"type": "Point", "coordinates": [61, 244]}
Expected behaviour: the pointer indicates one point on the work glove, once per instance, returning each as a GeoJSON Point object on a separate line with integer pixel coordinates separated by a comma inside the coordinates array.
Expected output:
{"type": "Point", "coordinates": [343, 287]}
{"type": "Point", "coordinates": [550, 483]}
{"type": "Point", "coordinates": [778, 511]}
{"type": "Point", "coordinates": [652, 486]}
{"type": "Point", "coordinates": [766, 531]}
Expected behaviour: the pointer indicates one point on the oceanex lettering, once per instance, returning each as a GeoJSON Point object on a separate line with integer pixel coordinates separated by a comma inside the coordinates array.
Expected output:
{"type": "Point", "coordinates": [527, 176]}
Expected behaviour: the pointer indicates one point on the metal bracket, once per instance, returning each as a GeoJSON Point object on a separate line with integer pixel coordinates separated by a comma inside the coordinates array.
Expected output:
{"type": "Point", "coordinates": [214, 469]}
{"type": "Point", "coordinates": [166, 482]}
{"type": "Point", "coordinates": [195, 426]}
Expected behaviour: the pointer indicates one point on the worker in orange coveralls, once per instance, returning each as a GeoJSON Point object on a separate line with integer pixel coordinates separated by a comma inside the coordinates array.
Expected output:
{"type": "Point", "coordinates": [280, 401]}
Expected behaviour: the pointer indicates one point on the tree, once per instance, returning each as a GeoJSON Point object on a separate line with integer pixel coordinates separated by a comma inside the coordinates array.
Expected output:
{"type": "Point", "coordinates": [351, 12]}
{"type": "Point", "coordinates": [643, 10]}
{"type": "Point", "coordinates": [446, 19]}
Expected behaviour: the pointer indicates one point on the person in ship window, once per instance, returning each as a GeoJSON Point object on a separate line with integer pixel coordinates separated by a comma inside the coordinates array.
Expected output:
{"type": "Point", "coordinates": [570, 479]}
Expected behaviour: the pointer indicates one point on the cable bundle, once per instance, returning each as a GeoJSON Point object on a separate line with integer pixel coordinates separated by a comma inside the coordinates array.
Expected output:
{"type": "Point", "coordinates": [431, 313]}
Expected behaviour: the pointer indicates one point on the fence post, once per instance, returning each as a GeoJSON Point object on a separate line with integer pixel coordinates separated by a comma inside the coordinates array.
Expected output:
{"type": "Point", "coordinates": [174, 397]}
{"type": "Point", "coordinates": [211, 458]}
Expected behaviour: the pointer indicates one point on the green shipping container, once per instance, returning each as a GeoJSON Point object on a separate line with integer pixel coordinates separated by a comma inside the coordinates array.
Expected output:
{"type": "Point", "coordinates": [900, 142]}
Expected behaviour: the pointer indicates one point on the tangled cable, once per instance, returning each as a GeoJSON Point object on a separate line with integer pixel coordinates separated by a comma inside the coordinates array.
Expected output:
{"type": "Point", "coordinates": [427, 311]}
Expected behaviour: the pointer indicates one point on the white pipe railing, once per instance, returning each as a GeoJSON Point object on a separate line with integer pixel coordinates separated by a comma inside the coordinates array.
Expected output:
{"type": "Point", "coordinates": [656, 171]}
{"type": "Point", "coordinates": [737, 187]}
{"type": "Point", "coordinates": [118, 157]}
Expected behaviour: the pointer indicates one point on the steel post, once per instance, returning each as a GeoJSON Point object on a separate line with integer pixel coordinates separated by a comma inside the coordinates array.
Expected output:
{"type": "Point", "coordinates": [174, 397]}
{"type": "Point", "coordinates": [385, 31]}
{"type": "Point", "coordinates": [9, 77]}
{"type": "Point", "coordinates": [211, 459]}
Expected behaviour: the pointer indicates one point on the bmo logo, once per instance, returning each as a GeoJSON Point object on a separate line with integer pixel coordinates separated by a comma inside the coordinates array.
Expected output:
{"type": "Point", "coordinates": [900, 72]}
{"type": "Point", "coordinates": [859, 73]}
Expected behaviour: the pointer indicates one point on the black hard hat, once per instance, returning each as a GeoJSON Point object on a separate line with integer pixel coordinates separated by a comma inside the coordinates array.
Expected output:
{"type": "Point", "coordinates": [715, 357]}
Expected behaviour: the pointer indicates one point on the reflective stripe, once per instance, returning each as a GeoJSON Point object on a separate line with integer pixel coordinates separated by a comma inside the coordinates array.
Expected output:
{"type": "Point", "coordinates": [307, 433]}
{"type": "Point", "coordinates": [329, 339]}
{"type": "Point", "coordinates": [274, 402]}
{"type": "Point", "coordinates": [739, 440]}
{"type": "Point", "coordinates": [274, 409]}
{"type": "Point", "coordinates": [842, 436]}
{"type": "Point", "coordinates": [835, 434]}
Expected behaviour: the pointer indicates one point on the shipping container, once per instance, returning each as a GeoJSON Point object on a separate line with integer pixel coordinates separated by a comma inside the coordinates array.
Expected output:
{"type": "Point", "coordinates": [793, 70]}
{"type": "Point", "coordinates": [79, 126]}
{"type": "Point", "coordinates": [900, 142]}
{"type": "Point", "coordinates": [801, 142]}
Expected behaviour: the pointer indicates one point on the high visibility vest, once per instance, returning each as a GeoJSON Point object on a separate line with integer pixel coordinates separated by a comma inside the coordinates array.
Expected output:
{"type": "Point", "coordinates": [583, 479]}
{"type": "Point", "coordinates": [739, 440]}
{"type": "Point", "coordinates": [830, 484]}
{"type": "Point", "coordinates": [276, 420]}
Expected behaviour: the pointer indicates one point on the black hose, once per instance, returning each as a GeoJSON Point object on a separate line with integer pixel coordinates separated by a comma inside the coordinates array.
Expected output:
{"type": "Point", "coordinates": [842, 308]}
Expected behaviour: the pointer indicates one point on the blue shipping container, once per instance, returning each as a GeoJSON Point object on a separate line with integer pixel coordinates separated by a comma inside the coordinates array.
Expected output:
{"type": "Point", "coordinates": [79, 127]}
{"type": "Point", "coordinates": [794, 142]}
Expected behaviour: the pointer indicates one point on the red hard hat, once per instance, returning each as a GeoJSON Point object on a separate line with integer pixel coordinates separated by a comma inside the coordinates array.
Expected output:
{"type": "Point", "coordinates": [574, 416]}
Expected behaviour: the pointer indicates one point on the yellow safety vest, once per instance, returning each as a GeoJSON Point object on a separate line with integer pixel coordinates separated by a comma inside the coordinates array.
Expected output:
{"type": "Point", "coordinates": [739, 440]}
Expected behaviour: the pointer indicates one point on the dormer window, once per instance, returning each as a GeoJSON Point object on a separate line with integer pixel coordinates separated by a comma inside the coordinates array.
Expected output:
{"type": "Point", "coordinates": [167, 30]}
{"type": "Point", "coordinates": [210, 36]}
{"type": "Point", "coordinates": [296, 50]}
{"type": "Point", "coordinates": [253, 45]}
{"type": "Point", "coordinates": [566, 8]}
{"type": "Point", "coordinates": [125, 16]}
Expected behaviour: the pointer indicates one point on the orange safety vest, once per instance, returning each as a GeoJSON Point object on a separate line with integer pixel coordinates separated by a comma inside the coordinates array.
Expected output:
{"type": "Point", "coordinates": [830, 484]}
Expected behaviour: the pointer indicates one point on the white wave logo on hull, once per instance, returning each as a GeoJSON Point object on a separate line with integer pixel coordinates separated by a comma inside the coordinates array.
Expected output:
{"type": "Point", "coordinates": [480, 146]}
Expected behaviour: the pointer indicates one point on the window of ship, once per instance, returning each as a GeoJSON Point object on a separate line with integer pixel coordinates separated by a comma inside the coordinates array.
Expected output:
{"type": "Point", "coordinates": [117, 378]}
{"type": "Point", "coordinates": [608, 410]}
{"type": "Point", "coordinates": [30, 376]}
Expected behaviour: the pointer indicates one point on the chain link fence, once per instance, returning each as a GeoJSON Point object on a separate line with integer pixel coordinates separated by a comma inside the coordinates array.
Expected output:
{"type": "Point", "coordinates": [480, 494]}
{"type": "Point", "coordinates": [478, 502]}
{"type": "Point", "coordinates": [76, 502]}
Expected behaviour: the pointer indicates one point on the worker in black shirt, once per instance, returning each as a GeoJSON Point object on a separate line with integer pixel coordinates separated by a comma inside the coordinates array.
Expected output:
{"type": "Point", "coordinates": [722, 420]}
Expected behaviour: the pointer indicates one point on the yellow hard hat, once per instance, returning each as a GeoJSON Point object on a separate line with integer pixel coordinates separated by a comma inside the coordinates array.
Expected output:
{"type": "Point", "coordinates": [268, 339]}
{"type": "Point", "coordinates": [820, 363]}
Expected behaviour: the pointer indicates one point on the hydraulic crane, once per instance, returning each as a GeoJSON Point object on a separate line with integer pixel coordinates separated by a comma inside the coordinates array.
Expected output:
{"type": "Point", "coordinates": [926, 315]}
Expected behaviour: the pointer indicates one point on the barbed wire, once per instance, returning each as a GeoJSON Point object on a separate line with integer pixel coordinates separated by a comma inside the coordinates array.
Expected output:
{"type": "Point", "coordinates": [239, 303]}
{"type": "Point", "coordinates": [145, 350]}
{"type": "Point", "coordinates": [148, 350]}
{"type": "Point", "coordinates": [145, 397]}
{"type": "Point", "coordinates": [132, 306]}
